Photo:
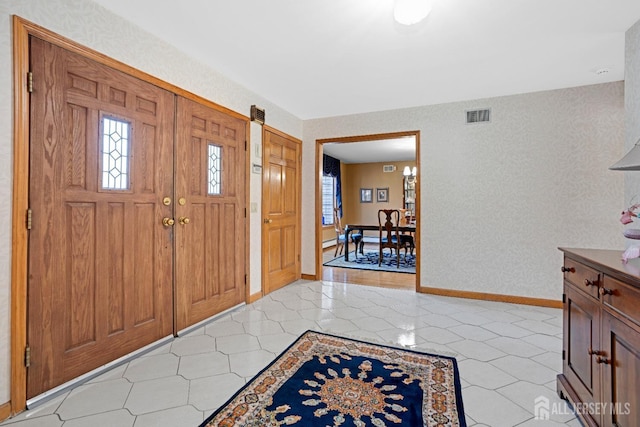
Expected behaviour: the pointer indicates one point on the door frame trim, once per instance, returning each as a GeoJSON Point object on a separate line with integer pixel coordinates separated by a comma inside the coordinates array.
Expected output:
{"type": "Point", "coordinates": [22, 29]}
{"type": "Point", "coordinates": [318, 187]}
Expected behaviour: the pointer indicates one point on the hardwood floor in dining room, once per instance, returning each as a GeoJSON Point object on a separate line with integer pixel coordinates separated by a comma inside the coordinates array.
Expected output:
{"type": "Point", "coordinates": [382, 279]}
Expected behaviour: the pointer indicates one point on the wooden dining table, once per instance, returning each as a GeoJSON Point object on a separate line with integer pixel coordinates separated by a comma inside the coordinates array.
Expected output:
{"type": "Point", "coordinates": [349, 229]}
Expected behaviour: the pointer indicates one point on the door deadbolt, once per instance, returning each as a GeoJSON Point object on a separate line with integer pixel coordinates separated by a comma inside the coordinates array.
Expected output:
{"type": "Point", "coordinates": [166, 201]}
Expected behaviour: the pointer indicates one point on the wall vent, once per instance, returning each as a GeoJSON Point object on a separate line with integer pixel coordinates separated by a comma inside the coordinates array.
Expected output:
{"type": "Point", "coordinates": [257, 114]}
{"type": "Point", "coordinates": [388, 168]}
{"type": "Point", "coordinates": [479, 116]}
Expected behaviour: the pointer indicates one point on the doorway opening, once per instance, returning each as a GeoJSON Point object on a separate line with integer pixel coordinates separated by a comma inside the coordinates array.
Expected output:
{"type": "Point", "coordinates": [389, 152]}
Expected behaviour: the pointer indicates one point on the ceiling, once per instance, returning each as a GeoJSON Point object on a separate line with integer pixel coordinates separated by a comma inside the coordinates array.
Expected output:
{"type": "Point", "coordinates": [337, 57]}
{"type": "Point", "coordinates": [382, 150]}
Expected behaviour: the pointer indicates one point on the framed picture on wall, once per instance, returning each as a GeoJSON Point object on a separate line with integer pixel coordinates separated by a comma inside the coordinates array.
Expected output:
{"type": "Point", "coordinates": [382, 195]}
{"type": "Point", "coordinates": [366, 195]}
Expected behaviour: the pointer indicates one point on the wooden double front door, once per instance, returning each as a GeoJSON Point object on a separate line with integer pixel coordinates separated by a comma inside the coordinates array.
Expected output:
{"type": "Point", "coordinates": [136, 214]}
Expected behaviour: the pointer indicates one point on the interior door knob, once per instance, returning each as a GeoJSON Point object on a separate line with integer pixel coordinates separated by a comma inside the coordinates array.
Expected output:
{"type": "Point", "coordinates": [168, 222]}
{"type": "Point", "coordinates": [184, 220]}
{"type": "Point", "coordinates": [268, 220]}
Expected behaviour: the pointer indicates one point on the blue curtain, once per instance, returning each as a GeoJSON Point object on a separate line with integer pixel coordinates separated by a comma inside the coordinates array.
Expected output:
{"type": "Point", "coordinates": [331, 167]}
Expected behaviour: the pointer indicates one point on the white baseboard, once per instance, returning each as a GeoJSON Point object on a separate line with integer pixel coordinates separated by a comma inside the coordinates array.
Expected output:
{"type": "Point", "coordinates": [328, 243]}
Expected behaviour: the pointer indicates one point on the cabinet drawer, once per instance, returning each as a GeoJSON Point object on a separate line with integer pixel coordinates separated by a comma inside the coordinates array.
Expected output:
{"type": "Point", "coordinates": [585, 278]}
{"type": "Point", "coordinates": [621, 297]}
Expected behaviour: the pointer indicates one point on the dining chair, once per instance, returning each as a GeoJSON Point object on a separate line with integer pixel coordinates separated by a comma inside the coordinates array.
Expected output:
{"type": "Point", "coordinates": [388, 222]}
{"type": "Point", "coordinates": [341, 238]}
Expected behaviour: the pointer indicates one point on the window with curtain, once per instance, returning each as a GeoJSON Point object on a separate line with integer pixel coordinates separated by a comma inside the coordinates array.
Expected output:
{"type": "Point", "coordinates": [328, 199]}
{"type": "Point", "coordinates": [331, 169]}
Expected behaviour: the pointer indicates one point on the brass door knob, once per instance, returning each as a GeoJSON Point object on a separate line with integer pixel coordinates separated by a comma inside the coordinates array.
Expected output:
{"type": "Point", "coordinates": [268, 220]}
{"type": "Point", "coordinates": [168, 222]}
{"type": "Point", "coordinates": [184, 220]}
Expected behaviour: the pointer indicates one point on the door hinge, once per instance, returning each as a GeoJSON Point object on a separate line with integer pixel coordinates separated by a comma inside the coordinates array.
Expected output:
{"type": "Point", "coordinates": [245, 212]}
{"type": "Point", "coordinates": [27, 356]}
{"type": "Point", "coordinates": [563, 355]}
{"type": "Point", "coordinates": [245, 279]}
{"type": "Point", "coordinates": [245, 145]}
{"type": "Point", "coordinates": [564, 298]}
{"type": "Point", "coordinates": [29, 82]}
{"type": "Point", "coordinates": [29, 218]}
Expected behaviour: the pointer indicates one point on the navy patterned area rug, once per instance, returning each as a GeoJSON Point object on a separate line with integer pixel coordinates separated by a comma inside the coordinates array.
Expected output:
{"type": "Point", "coordinates": [369, 261]}
{"type": "Point", "coordinates": [325, 380]}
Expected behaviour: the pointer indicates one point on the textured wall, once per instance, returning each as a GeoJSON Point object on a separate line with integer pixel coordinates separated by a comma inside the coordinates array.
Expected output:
{"type": "Point", "coordinates": [6, 181]}
{"type": "Point", "coordinates": [89, 24]}
{"type": "Point", "coordinates": [632, 109]}
{"type": "Point", "coordinates": [498, 199]}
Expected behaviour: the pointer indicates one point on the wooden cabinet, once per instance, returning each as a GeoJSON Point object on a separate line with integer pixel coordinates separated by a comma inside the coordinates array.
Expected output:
{"type": "Point", "coordinates": [621, 371]}
{"type": "Point", "coordinates": [581, 322]}
{"type": "Point", "coordinates": [601, 337]}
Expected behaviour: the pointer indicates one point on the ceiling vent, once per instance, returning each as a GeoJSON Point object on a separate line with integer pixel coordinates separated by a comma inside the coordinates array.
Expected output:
{"type": "Point", "coordinates": [388, 168]}
{"type": "Point", "coordinates": [479, 116]}
{"type": "Point", "coordinates": [257, 114]}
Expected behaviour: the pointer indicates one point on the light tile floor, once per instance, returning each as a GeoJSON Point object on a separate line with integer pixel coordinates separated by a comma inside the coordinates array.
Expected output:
{"type": "Point", "coordinates": [508, 356]}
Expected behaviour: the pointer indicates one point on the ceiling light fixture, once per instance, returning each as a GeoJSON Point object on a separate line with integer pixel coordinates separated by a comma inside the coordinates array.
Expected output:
{"type": "Point", "coordinates": [410, 174]}
{"type": "Point", "coordinates": [410, 12]}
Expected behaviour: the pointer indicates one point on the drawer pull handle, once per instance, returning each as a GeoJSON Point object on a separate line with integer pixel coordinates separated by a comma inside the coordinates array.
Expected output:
{"type": "Point", "coordinates": [588, 282]}
{"type": "Point", "coordinates": [593, 352]}
{"type": "Point", "coordinates": [603, 360]}
{"type": "Point", "coordinates": [568, 269]}
{"type": "Point", "coordinates": [605, 291]}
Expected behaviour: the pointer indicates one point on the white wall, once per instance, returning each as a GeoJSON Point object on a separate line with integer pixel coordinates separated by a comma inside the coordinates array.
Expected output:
{"type": "Point", "coordinates": [91, 25]}
{"type": "Point", "coordinates": [498, 199]}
